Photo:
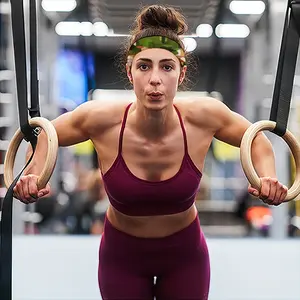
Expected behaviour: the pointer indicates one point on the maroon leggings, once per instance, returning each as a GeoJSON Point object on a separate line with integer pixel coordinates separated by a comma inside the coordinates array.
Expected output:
{"type": "Point", "coordinates": [128, 265]}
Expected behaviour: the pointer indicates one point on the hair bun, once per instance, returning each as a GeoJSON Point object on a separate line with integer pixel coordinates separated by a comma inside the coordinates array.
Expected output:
{"type": "Point", "coordinates": [162, 16]}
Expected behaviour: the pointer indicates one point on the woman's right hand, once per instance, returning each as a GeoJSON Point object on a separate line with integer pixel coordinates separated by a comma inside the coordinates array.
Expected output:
{"type": "Point", "coordinates": [26, 189]}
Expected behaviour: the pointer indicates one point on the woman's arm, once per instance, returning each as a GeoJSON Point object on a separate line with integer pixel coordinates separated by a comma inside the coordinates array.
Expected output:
{"type": "Point", "coordinates": [230, 128]}
{"type": "Point", "coordinates": [85, 122]}
{"type": "Point", "coordinates": [231, 131]}
{"type": "Point", "coordinates": [71, 128]}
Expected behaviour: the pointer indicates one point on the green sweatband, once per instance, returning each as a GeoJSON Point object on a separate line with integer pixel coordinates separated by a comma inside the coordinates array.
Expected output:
{"type": "Point", "coordinates": [161, 42]}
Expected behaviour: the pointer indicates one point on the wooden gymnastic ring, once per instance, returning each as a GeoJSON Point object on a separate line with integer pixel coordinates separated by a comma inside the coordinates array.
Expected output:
{"type": "Point", "coordinates": [246, 161]}
{"type": "Point", "coordinates": [51, 158]}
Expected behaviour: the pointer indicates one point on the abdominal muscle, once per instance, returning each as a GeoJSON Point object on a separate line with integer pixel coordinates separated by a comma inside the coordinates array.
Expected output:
{"type": "Point", "coordinates": [151, 226]}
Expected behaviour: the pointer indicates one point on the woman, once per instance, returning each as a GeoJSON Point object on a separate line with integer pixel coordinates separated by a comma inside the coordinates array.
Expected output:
{"type": "Point", "coordinates": [151, 154]}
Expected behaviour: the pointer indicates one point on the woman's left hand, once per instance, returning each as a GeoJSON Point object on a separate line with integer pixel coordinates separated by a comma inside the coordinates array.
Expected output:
{"type": "Point", "coordinates": [272, 191]}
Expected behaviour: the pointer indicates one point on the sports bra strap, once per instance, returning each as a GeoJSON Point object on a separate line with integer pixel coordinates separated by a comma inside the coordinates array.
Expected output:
{"type": "Point", "coordinates": [124, 123]}
{"type": "Point", "coordinates": [123, 128]}
{"type": "Point", "coordinates": [183, 130]}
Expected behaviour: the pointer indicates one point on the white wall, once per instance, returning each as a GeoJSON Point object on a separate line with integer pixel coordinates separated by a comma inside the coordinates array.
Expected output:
{"type": "Point", "coordinates": [65, 268]}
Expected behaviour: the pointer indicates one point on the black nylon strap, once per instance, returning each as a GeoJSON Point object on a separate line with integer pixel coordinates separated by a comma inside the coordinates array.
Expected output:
{"type": "Point", "coordinates": [19, 42]}
{"type": "Point", "coordinates": [34, 110]}
{"type": "Point", "coordinates": [6, 240]}
{"type": "Point", "coordinates": [30, 134]}
{"type": "Point", "coordinates": [18, 30]}
{"type": "Point", "coordinates": [296, 14]}
{"type": "Point", "coordinates": [286, 68]}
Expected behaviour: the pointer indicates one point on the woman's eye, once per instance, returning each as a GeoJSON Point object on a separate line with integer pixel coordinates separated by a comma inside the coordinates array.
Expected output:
{"type": "Point", "coordinates": [168, 68]}
{"type": "Point", "coordinates": [143, 67]}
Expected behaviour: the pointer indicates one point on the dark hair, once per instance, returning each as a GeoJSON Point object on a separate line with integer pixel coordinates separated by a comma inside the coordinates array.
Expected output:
{"type": "Point", "coordinates": [156, 20]}
{"type": "Point", "coordinates": [159, 20]}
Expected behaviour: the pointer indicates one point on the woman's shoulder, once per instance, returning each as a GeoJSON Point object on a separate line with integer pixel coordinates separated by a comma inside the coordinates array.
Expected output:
{"type": "Point", "coordinates": [112, 109]}
{"type": "Point", "coordinates": [103, 114]}
{"type": "Point", "coordinates": [193, 106]}
{"type": "Point", "coordinates": [200, 110]}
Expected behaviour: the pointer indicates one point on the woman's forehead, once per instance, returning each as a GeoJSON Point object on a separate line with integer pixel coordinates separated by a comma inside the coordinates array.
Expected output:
{"type": "Point", "coordinates": [155, 54]}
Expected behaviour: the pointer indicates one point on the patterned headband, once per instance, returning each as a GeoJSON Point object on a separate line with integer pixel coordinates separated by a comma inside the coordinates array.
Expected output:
{"type": "Point", "coordinates": [161, 42]}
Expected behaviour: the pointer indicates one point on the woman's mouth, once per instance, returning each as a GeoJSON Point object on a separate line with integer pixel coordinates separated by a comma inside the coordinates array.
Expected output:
{"type": "Point", "coordinates": [155, 96]}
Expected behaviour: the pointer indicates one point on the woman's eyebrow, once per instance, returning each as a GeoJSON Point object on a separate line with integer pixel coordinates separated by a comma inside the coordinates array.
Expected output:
{"type": "Point", "coordinates": [162, 60]}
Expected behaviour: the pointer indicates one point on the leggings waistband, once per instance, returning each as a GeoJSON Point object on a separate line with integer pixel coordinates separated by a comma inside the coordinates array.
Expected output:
{"type": "Point", "coordinates": [191, 232]}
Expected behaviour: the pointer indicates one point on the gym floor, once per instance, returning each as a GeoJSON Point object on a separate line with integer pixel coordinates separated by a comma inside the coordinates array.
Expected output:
{"type": "Point", "coordinates": [65, 268]}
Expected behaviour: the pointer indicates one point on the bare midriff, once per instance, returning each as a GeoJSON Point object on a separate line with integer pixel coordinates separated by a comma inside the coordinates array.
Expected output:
{"type": "Point", "coordinates": [151, 226]}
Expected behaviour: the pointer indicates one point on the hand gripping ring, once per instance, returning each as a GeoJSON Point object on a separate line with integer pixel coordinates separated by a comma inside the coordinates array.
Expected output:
{"type": "Point", "coordinates": [245, 155]}
{"type": "Point", "coordinates": [51, 158]}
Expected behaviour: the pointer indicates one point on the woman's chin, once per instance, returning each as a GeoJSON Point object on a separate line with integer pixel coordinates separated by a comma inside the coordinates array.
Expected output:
{"type": "Point", "coordinates": [155, 105]}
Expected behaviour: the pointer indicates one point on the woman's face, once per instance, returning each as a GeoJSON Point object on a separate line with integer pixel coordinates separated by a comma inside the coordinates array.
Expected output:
{"type": "Point", "coordinates": [155, 75]}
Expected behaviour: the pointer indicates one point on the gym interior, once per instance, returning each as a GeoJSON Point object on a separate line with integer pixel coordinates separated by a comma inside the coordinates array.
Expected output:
{"type": "Point", "coordinates": [235, 46]}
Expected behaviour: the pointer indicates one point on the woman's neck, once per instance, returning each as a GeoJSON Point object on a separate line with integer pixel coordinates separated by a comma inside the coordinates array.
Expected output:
{"type": "Point", "coordinates": [154, 124]}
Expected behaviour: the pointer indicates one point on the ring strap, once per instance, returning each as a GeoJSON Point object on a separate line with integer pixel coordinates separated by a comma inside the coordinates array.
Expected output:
{"type": "Point", "coordinates": [30, 134]}
{"type": "Point", "coordinates": [286, 68]}
{"type": "Point", "coordinates": [6, 240]}
{"type": "Point", "coordinates": [34, 110]}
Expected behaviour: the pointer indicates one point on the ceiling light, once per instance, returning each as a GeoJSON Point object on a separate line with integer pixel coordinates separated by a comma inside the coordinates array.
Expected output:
{"type": "Point", "coordinates": [117, 35]}
{"type": "Point", "coordinates": [204, 31]}
{"type": "Point", "coordinates": [82, 28]}
{"type": "Point", "coordinates": [59, 5]}
{"type": "Point", "coordinates": [232, 31]}
{"type": "Point", "coordinates": [190, 44]}
{"type": "Point", "coordinates": [86, 28]}
{"type": "Point", "coordinates": [100, 29]}
{"type": "Point", "coordinates": [247, 7]}
{"type": "Point", "coordinates": [68, 28]}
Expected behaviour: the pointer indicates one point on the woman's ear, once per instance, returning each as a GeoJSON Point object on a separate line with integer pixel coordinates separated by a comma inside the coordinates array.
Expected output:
{"type": "Point", "coordinates": [182, 75]}
{"type": "Point", "coordinates": [130, 77]}
{"type": "Point", "coordinates": [128, 71]}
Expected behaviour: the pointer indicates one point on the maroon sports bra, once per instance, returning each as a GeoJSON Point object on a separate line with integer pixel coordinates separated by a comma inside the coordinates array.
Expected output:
{"type": "Point", "coordinates": [138, 197]}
